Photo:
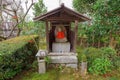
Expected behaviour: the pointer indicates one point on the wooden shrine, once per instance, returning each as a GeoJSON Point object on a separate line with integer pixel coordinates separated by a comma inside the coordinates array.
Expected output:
{"type": "Point", "coordinates": [60, 36]}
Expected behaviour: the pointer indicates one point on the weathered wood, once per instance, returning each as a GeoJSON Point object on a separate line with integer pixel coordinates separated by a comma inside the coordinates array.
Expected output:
{"type": "Point", "coordinates": [75, 37]}
{"type": "Point", "coordinates": [62, 19]}
{"type": "Point", "coordinates": [47, 35]}
{"type": "Point", "coordinates": [62, 10]}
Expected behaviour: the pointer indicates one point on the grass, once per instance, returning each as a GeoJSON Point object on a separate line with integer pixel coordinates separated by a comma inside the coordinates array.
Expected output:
{"type": "Point", "coordinates": [63, 74]}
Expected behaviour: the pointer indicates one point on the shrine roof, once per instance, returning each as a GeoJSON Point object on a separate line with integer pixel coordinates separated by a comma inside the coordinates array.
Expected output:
{"type": "Point", "coordinates": [62, 13]}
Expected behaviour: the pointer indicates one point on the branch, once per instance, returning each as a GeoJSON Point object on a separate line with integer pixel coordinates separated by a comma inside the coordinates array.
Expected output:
{"type": "Point", "coordinates": [21, 20]}
{"type": "Point", "coordinates": [8, 10]}
{"type": "Point", "coordinates": [7, 13]}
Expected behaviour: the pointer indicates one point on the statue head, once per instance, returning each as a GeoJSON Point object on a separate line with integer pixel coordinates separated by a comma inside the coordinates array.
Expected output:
{"type": "Point", "coordinates": [59, 29]}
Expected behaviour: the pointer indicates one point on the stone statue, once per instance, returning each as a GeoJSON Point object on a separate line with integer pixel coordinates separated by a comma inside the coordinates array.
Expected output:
{"type": "Point", "coordinates": [60, 34]}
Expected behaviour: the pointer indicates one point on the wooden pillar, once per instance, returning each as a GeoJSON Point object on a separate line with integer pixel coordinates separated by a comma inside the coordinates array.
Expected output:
{"type": "Point", "coordinates": [75, 36]}
{"type": "Point", "coordinates": [47, 35]}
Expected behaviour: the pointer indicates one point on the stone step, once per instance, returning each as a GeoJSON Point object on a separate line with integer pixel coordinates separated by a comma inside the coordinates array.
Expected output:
{"type": "Point", "coordinates": [64, 59]}
{"type": "Point", "coordinates": [62, 54]}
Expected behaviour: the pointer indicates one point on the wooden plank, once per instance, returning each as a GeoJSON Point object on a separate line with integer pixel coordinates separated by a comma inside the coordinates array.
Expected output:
{"type": "Point", "coordinates": [47, 35]}
{"type": "Point", "coordinates": [64, 17]}
{"type": "Point", "coordinates": [61, 19]}
{"type": "Point", "coordinates": [75, 37]}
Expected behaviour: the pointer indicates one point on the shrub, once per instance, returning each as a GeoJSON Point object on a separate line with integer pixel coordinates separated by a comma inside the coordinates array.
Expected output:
{"type": "Point", "coordinates": [116, 62]}
{"type": "Point", "coordinates": [81, 56]}
{"type": "Point", "coordinates": [92, 53]}
{"type": "Point", "coordinates": [99, 60]}
{"type": "Point", "coordinates": [108, 52]}
{"type": "Point", "coordinates": [16, 54]}
{"type": "Point", "coordinates": [100, 66]}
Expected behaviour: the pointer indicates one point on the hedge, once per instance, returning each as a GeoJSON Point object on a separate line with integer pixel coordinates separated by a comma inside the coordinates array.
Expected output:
{"type": "Point", "coordinates": [16, 54]}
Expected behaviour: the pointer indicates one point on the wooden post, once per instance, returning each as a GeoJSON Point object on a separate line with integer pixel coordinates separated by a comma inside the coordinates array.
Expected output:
{"type": "Point", "coordinates": [47, 35]}
{"type": "Point", "coordinates": [75, 36]}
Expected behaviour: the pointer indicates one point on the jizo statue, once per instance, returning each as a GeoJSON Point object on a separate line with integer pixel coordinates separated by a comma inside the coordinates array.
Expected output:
{"type": "Point", "coordinates": [60, 34]}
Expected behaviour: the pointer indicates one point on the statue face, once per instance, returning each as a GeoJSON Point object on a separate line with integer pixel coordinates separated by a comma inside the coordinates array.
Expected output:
{"type": "Point", "coordinates": [59, 29]}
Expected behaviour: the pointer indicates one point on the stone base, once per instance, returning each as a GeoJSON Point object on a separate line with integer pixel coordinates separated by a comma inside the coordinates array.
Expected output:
{"type": "Point", "coordinates": [41, 66]}
{"type": "Point", "coordinates": [61, 47]}
{"type": "Point", "coordinates": [68, 60]}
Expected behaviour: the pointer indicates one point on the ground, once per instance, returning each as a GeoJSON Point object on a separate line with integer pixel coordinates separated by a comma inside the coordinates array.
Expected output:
{"type": "Point", "coordinates": [63, 73]}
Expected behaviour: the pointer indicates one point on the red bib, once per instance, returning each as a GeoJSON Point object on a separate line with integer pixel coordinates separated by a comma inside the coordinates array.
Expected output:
{"type": "Point", "coordinates": [60, 35]}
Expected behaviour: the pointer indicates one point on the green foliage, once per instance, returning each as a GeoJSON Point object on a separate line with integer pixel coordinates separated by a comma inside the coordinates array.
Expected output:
{"type": "Point", "coordinates": [100, 66]}
{"type": "Point", "coordinates": [29, 28]}
{"type": "Point", "coordinates": [100, 60]}
{"type": "Point", "coordinates": [92, 54]}
{"type": "Point", "coordinates": [109, 52]}
{"type": "Point", "coordinates": [81, 56]}
{"type": "Point", "coordinates": [116, 62]}
{"type": "Point", "coordinates": [105, 19]}
{"type": "Point", "coordinates": [35, 65]}
{"type": "Point", "coordinates": [107, 16]}
{"type": "Point", "coordinates": [83, 6]}
{"type": "Point", "coordinates": [39, 8]}
{"type": "Point", "coordinates": [16, 54]}
{"type": "Point", "coordinates": [113, 78]}
{"type": "Point", "coordinates": [48, 59]}
{"type": "Point", "coordinates": [37, 27]}
{"type": "Point", "coordinates": [60, 67]}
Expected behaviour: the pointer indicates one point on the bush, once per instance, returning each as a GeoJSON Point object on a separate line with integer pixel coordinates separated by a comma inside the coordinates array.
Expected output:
{"type": "Point", "coordinates": [100, 66]}
{"type": "Point", "coordinates": [81, 56]}
{"type": "Point", "coordinates": [16, 54]}
{"type": "Point", "coordinates": [116, 62]}
{"type": "Point", "coordinates": [99, 60]}
{"type": "Point", "coordinates": [108, 52]}
{"type": "Point", "coordinates": [92, 53]}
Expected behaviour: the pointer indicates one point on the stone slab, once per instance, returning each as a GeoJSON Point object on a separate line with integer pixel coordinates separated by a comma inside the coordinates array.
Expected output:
{"type": "Point", "coordinates": [62, 54]}
{"type": "Point", "coordinates": [64, 59]}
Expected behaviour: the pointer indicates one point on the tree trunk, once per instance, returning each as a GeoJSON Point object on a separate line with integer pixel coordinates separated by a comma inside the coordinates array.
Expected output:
{"type": "Point", "coordinates": [18, 33]}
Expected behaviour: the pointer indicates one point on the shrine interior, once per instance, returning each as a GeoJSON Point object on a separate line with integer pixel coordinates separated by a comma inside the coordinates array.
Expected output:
{"type": "Point", "coordinates": [68, 44]}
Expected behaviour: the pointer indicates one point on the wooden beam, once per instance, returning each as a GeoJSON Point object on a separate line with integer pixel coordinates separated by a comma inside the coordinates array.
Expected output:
{"type": "Point", "coordinates": [64, 18]}
{"type": "Point", "coordinates": [75, 36]}
{"type": "Point", "coordinates": [47, 35]}
{"type": "Point", "coordinates": [60, 20]}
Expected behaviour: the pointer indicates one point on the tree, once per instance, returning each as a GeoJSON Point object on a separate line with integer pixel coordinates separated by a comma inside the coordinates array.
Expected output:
{"type": "Point", "coordinates": [105, 26]}
{"type": "Point", "coordinates": [14, 10]}
{"type": "Point", "coordinates": [83, 6]}
{"type": "Point", "coordinates": [108, 19]}
{"type": "Point", "coordinates": [39, 9]}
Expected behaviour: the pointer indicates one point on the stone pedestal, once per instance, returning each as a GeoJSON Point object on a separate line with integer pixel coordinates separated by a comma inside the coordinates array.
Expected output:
{"type": "Point", "coordinates": [41, 66]}
{"type": "Point", "coordinates": [83, 68]}
{"type": "Point", "coordinates": [61, 47]}
{"type": "Point", "coordinates": [68, 59]}
{"type": "Point", "coordinates": [41, 62]}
